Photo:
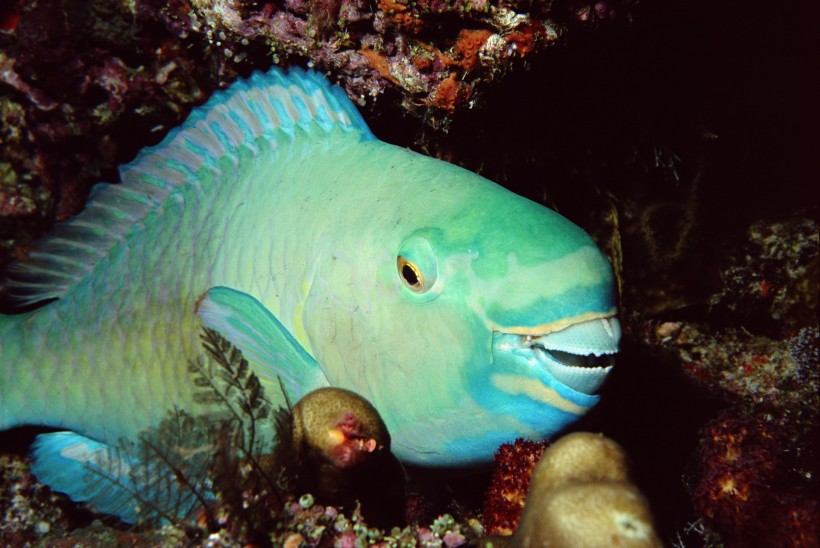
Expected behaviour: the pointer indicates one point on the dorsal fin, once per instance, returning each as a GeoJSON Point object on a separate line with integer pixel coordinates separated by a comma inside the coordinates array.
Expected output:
{"type": "Point", "coordinates": [264, 104]}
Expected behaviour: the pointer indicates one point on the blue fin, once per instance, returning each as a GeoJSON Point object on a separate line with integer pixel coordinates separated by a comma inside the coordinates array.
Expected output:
{"type": "Point", "coordinates": [78, 466]}
{"type": "Point", "coordinates": [266, 105]}
{"type": "Point", "coordinates": [113, 480]}
{"type": "Point", "coordinates": [270, 349]}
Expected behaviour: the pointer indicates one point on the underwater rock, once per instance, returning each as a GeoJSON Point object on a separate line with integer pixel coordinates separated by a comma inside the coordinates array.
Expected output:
{"type": "Point", "coordinates": [82, 89]}
{"type": "Point", "coordinates": [770, 284]}
{"type": "Point", "coordinates": [753, 371]}
{"type": "Point", "coordinates": [28, 509]}
{"type": "Point", "coordinates": [754, 479]}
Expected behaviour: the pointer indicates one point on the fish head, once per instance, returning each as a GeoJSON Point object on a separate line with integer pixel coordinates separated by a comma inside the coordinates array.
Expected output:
{"type": "Point", "coordinates": [472, 322]}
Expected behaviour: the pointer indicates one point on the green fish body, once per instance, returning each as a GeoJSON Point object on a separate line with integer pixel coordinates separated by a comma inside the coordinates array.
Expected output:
{"type": "Point", "coordinates": [467, 315]}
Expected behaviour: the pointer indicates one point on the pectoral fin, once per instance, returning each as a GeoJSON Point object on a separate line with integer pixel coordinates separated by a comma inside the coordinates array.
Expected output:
{"type": "Point", "coordinates": [273, 353]}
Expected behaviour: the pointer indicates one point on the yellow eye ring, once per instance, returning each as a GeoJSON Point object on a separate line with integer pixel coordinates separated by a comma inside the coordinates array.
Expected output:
{"type": "Point", "coordinates": [410, 275]}
{"type": "Point", "coordinates": [417, 268]}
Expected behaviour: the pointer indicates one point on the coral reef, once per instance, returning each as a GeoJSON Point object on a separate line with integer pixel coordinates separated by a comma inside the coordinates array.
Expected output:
{"type": "Point", "coordinates": [758, 351]}
{"type": "Point", "coordinates": [750, 486]}
{"type": "Point", "coordinates": [754, 372]}
{"type": "Point", "coordinates": [309, 524]}
{"type": "Point", "coordinates": [770, 284]}
{"type": "Point", "coordinates": [753, 477]}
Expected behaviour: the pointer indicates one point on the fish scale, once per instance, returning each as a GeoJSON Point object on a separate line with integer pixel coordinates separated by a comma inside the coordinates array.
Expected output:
{"type": "Point", "coordinates": [274, 216]}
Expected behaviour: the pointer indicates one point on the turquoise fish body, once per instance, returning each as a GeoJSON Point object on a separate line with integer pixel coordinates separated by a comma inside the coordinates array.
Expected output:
{"type": "Point", "coordinates": [466, 314]}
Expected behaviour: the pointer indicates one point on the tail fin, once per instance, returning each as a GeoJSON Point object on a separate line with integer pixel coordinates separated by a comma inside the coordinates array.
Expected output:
{"type": "Point", "coordinates": [115, 480]}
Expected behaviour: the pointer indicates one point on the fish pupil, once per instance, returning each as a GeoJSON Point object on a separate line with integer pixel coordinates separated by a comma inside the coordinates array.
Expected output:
{"type": "Point", "coordinates": [410, 275]}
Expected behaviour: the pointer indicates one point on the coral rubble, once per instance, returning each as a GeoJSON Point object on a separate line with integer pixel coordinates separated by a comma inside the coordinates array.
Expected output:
{"type": "Point", "coordinates": [28, 509]}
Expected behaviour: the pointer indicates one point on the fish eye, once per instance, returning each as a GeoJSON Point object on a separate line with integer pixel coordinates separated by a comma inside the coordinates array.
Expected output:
{"type": "Point", "coordinates": [411, 275]}
{"type": "Point", "coordinates": [417, 268]}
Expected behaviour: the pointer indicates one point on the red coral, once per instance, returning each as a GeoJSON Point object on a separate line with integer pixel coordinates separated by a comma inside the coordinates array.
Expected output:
{"type": "Point", "coordinates": [513, 467]}
{"type": "Point", "coordinates": [742, 491]}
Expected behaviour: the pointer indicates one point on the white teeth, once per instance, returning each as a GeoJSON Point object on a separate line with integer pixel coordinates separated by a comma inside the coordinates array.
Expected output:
{"type": "Point", "coordinates": [596, 337]}
{"type": "Point", "coordinates": [586, 380]}
{"type": "Point", "coordinates": [599, 337]}
{"type": "Point", "coordinates": [578, 356]}
{"type": "Point", "coordinates": [608, 327]}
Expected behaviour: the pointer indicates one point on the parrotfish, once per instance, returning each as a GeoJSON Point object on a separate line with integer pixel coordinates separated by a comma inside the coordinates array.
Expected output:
{"type": "Point", "coordinates": [466, 314]}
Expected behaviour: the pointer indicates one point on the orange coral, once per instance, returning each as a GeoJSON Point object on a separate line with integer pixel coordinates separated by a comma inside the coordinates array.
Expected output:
{"type": "Point", "coordinates": [524, 38]}
{"type": "Point", "coordinates": [379, 63]}
{"type": "Point", "coordinates": [439, 57]}
{"type": "Point", "coordinates": [469, 42]}
{"type": "Point", "coordinates": [397, 13]}
{"type": "Point", "coordinates": [422, 63]}
{"type": "Point", "coordinates": [450, 93]}
{"type": "Point", "coordinates": [392, 7]}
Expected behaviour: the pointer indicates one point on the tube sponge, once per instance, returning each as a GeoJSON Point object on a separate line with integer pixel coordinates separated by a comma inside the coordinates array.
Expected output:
{"type": "Point", "coordinates": [581, 495]}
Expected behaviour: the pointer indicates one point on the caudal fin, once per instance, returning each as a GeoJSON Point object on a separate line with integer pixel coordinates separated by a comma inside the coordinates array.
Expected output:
{"type": "Point", "coordinates": [132, 481]}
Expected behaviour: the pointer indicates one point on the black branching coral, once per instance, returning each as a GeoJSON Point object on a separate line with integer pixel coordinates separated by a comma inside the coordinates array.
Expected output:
{"type": "Point", "coordinates": [215, 474]}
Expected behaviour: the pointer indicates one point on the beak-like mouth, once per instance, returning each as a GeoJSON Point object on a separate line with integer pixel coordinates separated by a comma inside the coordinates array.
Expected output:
{"type": "Point", "coordinates": [579, 356]}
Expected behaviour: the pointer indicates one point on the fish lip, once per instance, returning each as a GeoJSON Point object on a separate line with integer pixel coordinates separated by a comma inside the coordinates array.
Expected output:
{"type": "Point", "coordinates": [580, 356]}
